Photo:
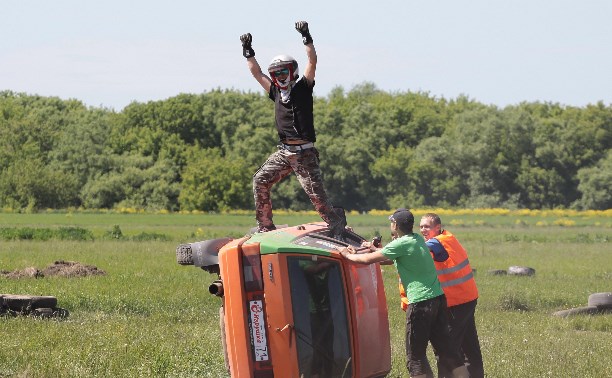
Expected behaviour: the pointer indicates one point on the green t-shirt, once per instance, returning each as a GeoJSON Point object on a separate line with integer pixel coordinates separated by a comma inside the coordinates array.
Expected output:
{"type": "Point", "coordinates": [415, 266]}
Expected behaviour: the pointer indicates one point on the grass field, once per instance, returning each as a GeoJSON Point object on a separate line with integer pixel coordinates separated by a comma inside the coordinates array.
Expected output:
{"type": "Point", "coordinates": [148, 316]}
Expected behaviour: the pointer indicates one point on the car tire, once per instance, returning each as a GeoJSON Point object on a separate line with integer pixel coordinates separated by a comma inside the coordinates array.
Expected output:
{"type": "Point", "coordinates": [223, 337]}
{"type": "Point", "coordinates": [521, 271]}
{"type": "Point", "coordinates": [601, 300]}
{"type": "Point", "coordinates": [589, 310]}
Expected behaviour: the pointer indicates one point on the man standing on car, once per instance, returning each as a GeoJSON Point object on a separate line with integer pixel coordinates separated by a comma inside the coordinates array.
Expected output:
{"type": "Point", "coordinates": [457, 281]}
{"type": "Point", "coordinates": [293, 106]}
{"type": "Point", "coordinates": [426, 319]}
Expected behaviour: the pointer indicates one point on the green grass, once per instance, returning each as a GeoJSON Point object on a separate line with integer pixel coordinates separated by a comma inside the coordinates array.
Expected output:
{"type": "Point", "coordinates": [151, 317]}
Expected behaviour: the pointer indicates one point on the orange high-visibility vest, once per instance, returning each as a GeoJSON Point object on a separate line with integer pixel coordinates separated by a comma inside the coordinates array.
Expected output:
{"type": "Point", "coordinates": [455, 274]}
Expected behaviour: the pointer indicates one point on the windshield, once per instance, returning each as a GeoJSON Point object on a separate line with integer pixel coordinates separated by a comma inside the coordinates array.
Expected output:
{"type": "Point", "coordinates": [320, 317]}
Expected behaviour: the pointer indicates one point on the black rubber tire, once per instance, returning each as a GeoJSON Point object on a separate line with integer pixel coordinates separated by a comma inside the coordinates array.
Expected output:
{"type": "Point", "coordinates": [42, 312]}
{"type": "Point", "coordinates": [497, 272]}
{"type": "Point", "coordinates": [589, 310]}
{"type": "Point", "coordinates": [521, 271]}
{"type": "Point", "coordinates": [2, 307]}
{"type": "Point", "coordinates": [17, 302]}
{"type": "Point", "coordinates": [601, 300]}
{"type": "Point", "coordinates": [60, 313]}
{"type": "Point", "coordinates": [223, 337]}
{"type": "Point", "coordinates": [29, 302]}
{"type": "Point", "coordinates": [46, 301]}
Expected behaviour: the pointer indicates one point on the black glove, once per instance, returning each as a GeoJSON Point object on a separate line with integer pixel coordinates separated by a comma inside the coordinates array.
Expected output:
{"type": "Point", "coordinates": [302, 27]}
{"type": "Point", "coordinates": [247, 50]}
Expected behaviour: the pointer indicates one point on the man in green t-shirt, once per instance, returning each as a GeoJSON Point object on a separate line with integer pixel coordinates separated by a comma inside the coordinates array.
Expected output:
{"type": "Point", "coordinates": [426, 319]}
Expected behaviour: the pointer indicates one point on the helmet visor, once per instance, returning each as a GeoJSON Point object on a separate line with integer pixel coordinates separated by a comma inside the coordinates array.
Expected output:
{"type": "Point", "coordinates": [281, 72]}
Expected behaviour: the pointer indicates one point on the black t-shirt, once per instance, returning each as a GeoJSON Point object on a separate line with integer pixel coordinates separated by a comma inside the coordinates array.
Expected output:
{"type": "Point", "coordinates": [294, 119]}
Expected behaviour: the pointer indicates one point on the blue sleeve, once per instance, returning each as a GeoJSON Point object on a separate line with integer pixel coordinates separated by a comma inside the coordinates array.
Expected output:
{"type": "Point", "coordinates": [439, 253]}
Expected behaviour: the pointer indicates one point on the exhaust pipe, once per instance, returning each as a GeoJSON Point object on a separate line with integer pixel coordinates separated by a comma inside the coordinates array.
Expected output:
{"type": "Point", "coordinates": [216, 288]}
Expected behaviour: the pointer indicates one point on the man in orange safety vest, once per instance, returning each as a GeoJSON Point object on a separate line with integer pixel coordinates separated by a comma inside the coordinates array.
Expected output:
{"type": "Point", "coordinates": [457, 280]}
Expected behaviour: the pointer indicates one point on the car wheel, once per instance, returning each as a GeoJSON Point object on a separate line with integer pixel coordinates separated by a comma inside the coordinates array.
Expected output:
{"type": "Point", "coordinates": [601, 300]}
{"type": "Point", "coordinates": [521, 271]}
{"type": "Point", "coordinates": [590, 310]}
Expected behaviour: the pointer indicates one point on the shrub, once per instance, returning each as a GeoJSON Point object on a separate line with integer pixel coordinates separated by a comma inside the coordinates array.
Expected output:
{"type": "Point", "coordinates": [150, 236]}
{"type": "Point", "coordinates": [74, 233]}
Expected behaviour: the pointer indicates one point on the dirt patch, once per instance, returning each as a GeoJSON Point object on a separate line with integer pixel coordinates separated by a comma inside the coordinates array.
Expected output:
{"type": "Point", "coordinates": [59, 268]}
{"type": "Point", "coordinates": [29, 272]}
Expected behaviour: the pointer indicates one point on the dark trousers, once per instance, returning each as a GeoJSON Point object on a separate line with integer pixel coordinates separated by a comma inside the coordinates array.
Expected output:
{"type": "Point", "coordinates": [426, 322]}
{"type": "Point", "coordinates": [322, 328]}
{"type": "Point", "coordinates": [463, 335]}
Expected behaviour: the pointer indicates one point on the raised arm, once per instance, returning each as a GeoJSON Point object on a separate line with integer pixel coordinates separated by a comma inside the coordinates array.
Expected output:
{"type": "Point", "coordinates": [311, 53]}
{"type": "Point", "coordinates": [249, 54]}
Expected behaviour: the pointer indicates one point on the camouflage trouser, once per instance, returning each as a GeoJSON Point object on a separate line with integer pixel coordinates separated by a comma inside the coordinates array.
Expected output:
{"type": "Point", "coordinates": [305, 164]}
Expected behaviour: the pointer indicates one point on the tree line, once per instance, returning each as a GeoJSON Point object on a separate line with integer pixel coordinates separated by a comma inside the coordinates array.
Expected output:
{"type": "Point", "coordinates": [378, 150]}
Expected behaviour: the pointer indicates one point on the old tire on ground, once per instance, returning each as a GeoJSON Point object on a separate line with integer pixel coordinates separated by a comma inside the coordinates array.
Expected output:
{"type": "Point", "coordinates": [17, 302]}
{"type": "Point", "coordinates": [521, 271]}
{"type": "Point", "coordinates": [60, 313]}
{"type": "Point", "coordinates": [601, 300]}
{"type": "Point", "coordinates": [223, 337]}
{"type": "Point", "coordinates": [42, 312]}
{"type": "Point", "coordinates": [29, 302]}
{"type": "Point", "coordinates": [589, 310]}
{"type": "Point", "coordinates": [497, 272]}
{"type": "Point", "coordinates": [45, 301]}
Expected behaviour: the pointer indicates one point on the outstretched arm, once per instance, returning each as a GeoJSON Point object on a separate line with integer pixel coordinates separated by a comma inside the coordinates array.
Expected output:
{"type": "Point", "coordinates": [373, 256]}
{"type": "Point", "coordinates": [249, 53]}
{"type": "Point", "coordinates": [311, 53]}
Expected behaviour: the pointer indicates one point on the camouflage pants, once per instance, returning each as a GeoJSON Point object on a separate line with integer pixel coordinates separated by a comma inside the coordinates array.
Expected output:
{"type": "Point", "coordinates": [305, 164]}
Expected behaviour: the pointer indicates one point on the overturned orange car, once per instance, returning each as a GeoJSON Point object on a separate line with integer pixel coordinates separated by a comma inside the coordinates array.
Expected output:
{"type": "Point", "coordinates": [292, 307]}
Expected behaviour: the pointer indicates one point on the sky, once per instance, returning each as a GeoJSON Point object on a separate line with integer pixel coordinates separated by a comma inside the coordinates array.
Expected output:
{"type": "Point", "coordinates": [113, 52]}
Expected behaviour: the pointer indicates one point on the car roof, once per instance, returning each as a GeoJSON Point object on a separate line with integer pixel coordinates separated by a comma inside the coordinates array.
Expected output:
{"type": "Point", "coordinates": [310, 238]}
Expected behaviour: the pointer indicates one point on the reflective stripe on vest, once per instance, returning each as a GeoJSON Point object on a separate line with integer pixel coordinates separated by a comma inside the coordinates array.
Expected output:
{"type": "Point", "coordinates": [453, 269]}
{"type": "Point", "coordinates": [457, 281]}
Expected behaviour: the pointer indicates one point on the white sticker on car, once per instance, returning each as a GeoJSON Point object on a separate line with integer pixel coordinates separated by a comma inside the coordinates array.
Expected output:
{"type": "Point", "coordinates": [258, 331]}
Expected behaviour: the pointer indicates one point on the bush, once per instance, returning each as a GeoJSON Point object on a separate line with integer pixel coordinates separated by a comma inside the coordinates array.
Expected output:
{"type": "Point", "coordinates": [74, 233]}
{"type": "Point", "coordinates": [115, 233]}
{"type": "Point", "coordinates": [42, 234]}
{"type": "Point", "coordinates": [150, 236]}
{"type": "Point", "coordinates": [513, 302]}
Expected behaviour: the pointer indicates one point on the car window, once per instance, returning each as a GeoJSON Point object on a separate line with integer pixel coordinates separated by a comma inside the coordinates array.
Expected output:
{"type": "Point", "coordinates": [320, 317]}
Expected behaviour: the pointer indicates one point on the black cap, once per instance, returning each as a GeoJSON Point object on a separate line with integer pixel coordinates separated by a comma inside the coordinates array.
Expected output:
{"type": "Point", "coordinates": [402, 217]}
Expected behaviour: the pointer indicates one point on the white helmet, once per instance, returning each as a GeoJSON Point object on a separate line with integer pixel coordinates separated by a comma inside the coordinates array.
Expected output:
{"type": "Point", "coordinates": [283, 64]}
